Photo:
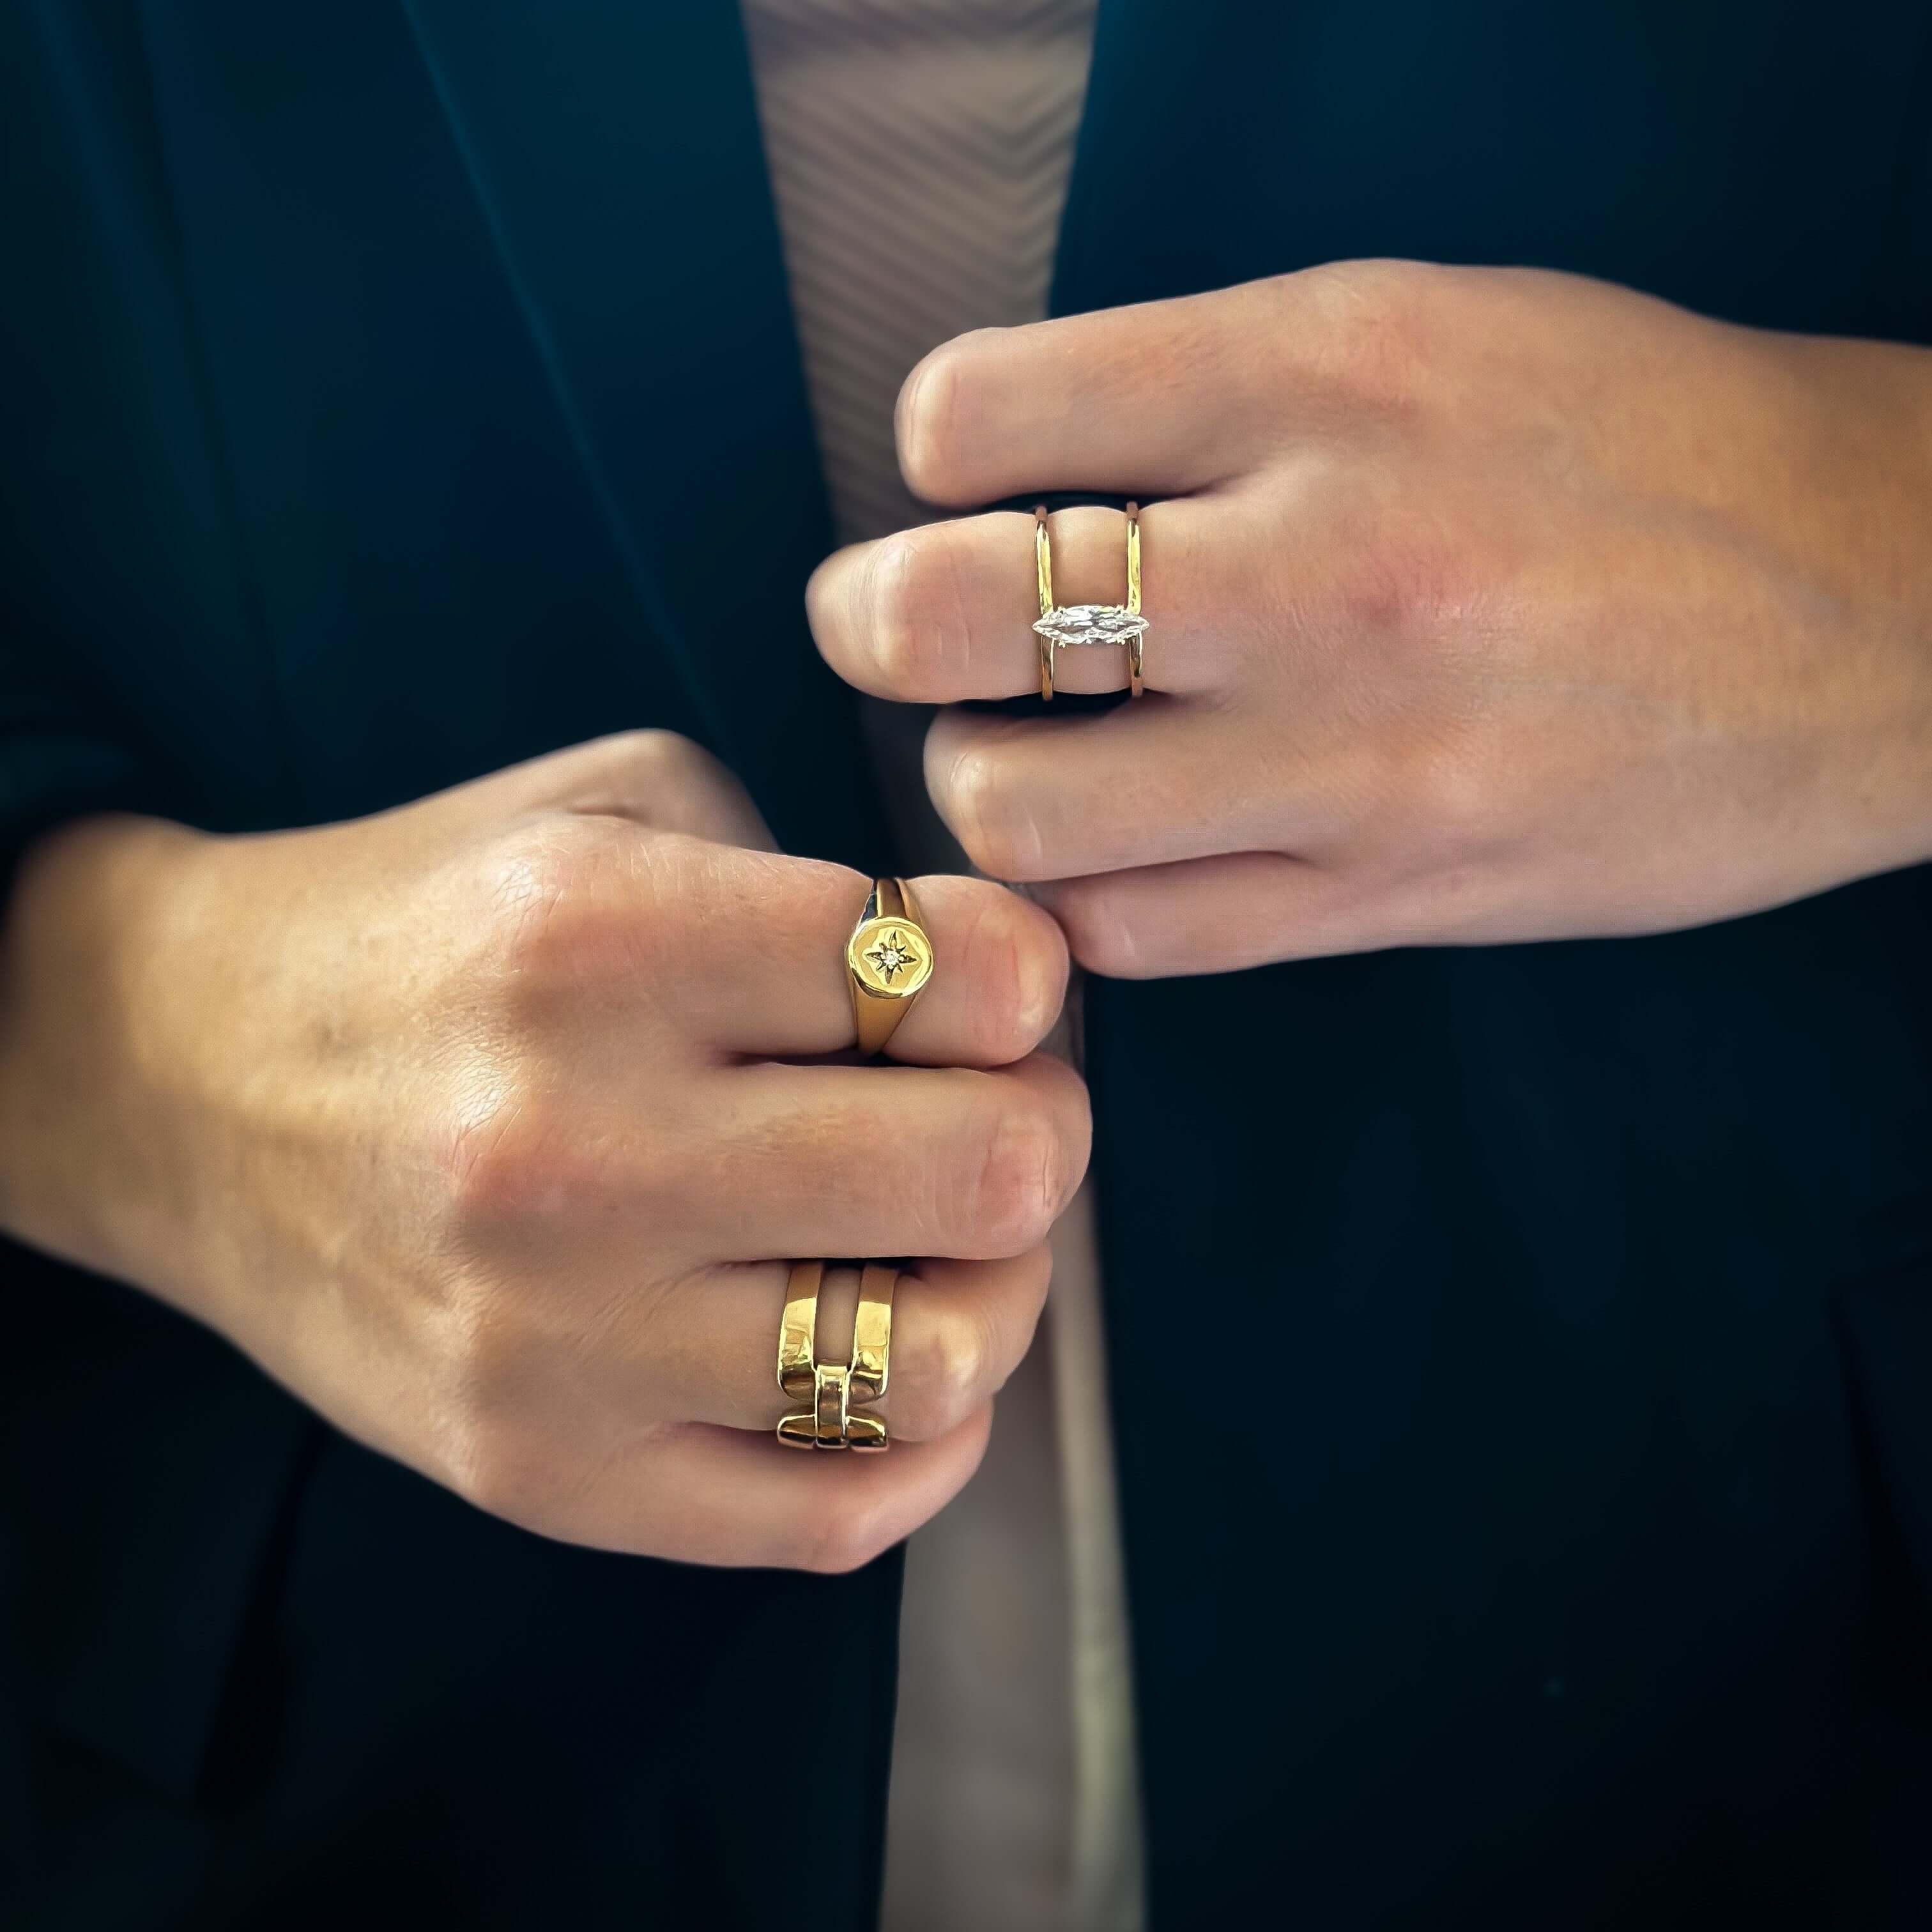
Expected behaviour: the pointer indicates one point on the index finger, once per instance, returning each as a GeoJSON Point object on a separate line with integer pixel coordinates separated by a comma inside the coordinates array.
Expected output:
{"type": "Point", "coordinates": [1155, 400]}
{"type": "Point", "coordinates": [761, 969]}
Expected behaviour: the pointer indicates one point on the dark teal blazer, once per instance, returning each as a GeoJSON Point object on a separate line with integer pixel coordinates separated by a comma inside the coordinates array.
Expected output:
{"type": "Point", "coordinates": [392, 389]}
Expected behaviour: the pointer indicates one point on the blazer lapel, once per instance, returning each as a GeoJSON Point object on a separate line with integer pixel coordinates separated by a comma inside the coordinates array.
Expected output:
{"type": "Point", "coordinates": [614, 153]}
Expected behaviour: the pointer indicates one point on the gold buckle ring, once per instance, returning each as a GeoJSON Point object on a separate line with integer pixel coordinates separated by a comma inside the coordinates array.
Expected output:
{"type": "Point", "coordinates": [831, 1388]}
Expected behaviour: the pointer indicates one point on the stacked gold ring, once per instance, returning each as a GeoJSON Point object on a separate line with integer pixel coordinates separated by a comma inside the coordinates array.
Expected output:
{"type": "Point", "coordinates": [831, 1389]}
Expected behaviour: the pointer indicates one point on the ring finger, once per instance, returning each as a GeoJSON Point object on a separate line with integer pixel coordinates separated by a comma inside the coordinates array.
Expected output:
{"type": "Point", "coordinates": [945, 612]}
{"type": "Point", "coordinates": [959, 1330]}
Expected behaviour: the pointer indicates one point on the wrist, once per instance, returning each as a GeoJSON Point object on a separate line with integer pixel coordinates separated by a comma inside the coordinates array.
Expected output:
{"type": "Point", "coordinates": [95, 959]}
{"type": "Point", "coordinates": [1865, 510]}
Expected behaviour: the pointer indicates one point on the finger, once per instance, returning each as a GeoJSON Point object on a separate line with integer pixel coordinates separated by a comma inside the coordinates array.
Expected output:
{"type": "Point", "coordinates": [1221, 915]}
{"type": "Point", "coordinates": [945, 612]}
{"type": "Point", "coordinates": [869, 1162]}
{"type": "Point", "coordinates": [757, 965]}
{"type": "Point", "coordinates": [1152, 400]}
{"type": "Point", "coordinates": [1224, 914]}
{"type": "Point", "coordinates": [1054, 798]}
{"type": "Point", "coordinates": [699, 1494]}
{"type": "Point", "coordinates": [959, 1330]}
{"type": "Point", "coordinates": [746, 952]}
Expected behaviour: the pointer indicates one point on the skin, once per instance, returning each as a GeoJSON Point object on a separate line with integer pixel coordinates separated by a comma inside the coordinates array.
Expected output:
{"type": "Point", "coordinates": [1484, 605]}
{"type": "Point", "coordinates": [488, 1125]}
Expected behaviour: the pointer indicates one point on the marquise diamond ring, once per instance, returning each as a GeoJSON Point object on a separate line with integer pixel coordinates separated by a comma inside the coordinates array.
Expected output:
{"type": "Point", "coordinates": [1060, 625]}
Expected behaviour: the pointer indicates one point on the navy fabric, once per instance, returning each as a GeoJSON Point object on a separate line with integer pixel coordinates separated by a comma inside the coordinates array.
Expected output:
{"type": "Point", "coordinates": [346, 455]}
{"type": "Point", "coordinates": [1544, 1559]}
{"type": "Point", "coordinates": [396, 389]}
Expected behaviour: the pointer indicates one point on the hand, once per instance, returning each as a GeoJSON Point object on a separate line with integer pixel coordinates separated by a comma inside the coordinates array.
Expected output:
{"type": "Point", "coordinates": [479, 1124]}
{"type": "Point", "coordinates": [1484, 605]}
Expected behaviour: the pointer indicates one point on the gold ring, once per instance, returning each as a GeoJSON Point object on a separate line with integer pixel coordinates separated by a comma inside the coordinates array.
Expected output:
{"type": "Point", "coordinates": [888, 960]}
{"type": "Point", "coordinates": [831, 1388]}
{"type": "Point", "coordinates": [1060, 625]}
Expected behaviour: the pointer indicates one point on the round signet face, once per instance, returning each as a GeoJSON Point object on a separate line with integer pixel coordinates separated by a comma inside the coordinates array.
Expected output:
{"type": "Point", "coordinates": [891, 958]}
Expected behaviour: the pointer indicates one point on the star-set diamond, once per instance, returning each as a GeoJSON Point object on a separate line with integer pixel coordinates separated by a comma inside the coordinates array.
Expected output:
{"type": "Point", "coordinates": [892, 955]}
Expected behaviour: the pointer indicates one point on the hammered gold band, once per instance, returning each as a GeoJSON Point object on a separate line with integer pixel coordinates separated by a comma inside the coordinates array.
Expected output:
{"type": "Point", "coordinates": [888, 960]}
{"type": "Point", "coordinates": [831, 1421]}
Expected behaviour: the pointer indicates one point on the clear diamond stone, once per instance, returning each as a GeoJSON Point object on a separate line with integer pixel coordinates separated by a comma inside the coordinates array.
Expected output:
{"type": "Point", "coordinates": [892, 955]}
{"type": "Point", "coordinates": [1091, 624]}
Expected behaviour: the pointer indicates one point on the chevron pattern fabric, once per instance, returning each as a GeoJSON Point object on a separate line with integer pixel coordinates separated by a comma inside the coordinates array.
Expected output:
{"type": "Point", "coordinates": [919, 150]}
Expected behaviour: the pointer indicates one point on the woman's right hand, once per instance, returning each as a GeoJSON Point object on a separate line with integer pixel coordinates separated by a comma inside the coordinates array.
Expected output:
{"type": "Point", "coordinates": [479, 1124]}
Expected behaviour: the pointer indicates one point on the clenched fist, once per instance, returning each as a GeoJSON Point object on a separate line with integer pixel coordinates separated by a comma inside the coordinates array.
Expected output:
{"type": "Point", "coordinates": [489, 1125]}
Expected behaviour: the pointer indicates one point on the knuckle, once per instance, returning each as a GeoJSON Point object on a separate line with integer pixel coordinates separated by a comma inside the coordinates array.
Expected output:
{"type": "Point", "coordinates": [1434, 797]}
{"type": "Point", "coordinates": [548, 907]}
{"type": "Point", "coordinates": [1019, 1184]}
{"type": "Point", "coordinates": [912, 607]}
{"type": "Point", "coordinates": [1018, 974]}
{"type": "Point", "coordinates": [895, 613]}
{"type": "Point", "coordinates": [504, 1160]}
{"type": "Point", "coordinates": [929, 419]}
{"type": "Point", "coordinates": [988, 817]}
{"type": "Point", "coordinates": [1099, 933]}
{"type": "Point", "coordinates": [663, 769]}
{"type": "Point", "coordinates": [951, 1370]}
{"type": "Point", "coordinates": [1378, 314]}
{"type": "Point", "coordinates": [1447, 787]}
{"type": "Point", "coordinates": [1409, 583]}
{"type": "Point", "coordinates": [516, 1155]}
{"type": "Point", "coordinates": [652, 753]}
{"type": "Point", "coordinates": [573, 901]}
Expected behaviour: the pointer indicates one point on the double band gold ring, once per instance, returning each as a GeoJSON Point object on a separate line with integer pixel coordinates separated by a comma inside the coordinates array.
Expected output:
{"type": "Point", "coordinates": [1059, 625]}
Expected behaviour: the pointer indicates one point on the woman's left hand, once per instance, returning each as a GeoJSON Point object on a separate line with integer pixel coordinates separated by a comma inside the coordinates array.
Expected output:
{"type": "Point", "coordinates": [1482, 605]}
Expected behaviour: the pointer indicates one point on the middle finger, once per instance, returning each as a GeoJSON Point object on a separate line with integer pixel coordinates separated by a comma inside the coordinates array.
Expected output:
{"type": "Point", "coordinates": [1040, 798]}
{"type": "Point", "coordinates": [865, 1162]}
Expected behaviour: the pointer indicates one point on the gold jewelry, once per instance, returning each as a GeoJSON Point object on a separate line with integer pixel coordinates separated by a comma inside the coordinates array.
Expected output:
{"type": "Point", "coordinates": [888, 960]}
{"type": "Point", "coordinates": [1058, 626]}
{"type": "Point", "coordinates": [831, 1422]}
{"type": "Point", "coordinates": [1043, 562]}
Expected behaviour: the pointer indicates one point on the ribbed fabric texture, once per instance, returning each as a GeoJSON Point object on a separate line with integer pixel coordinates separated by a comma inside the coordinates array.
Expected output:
{"type": "Point", "coordinates": [920, 151]}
